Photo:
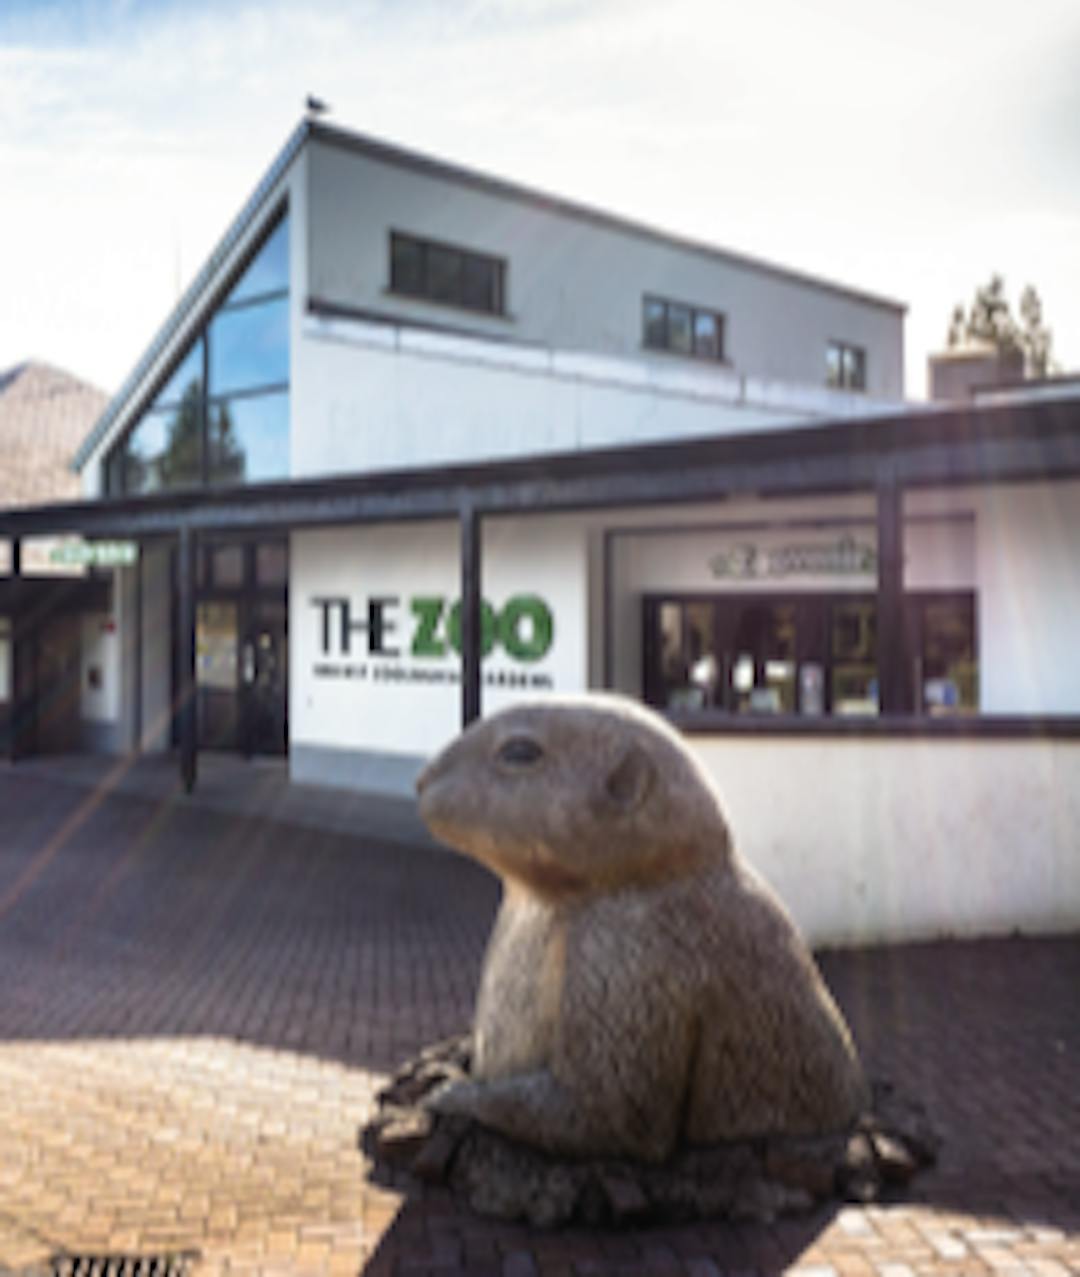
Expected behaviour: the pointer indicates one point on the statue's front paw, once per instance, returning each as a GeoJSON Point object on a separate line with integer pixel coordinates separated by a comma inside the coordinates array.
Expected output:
{"type": "Point", "coordinates": [453, 1099]}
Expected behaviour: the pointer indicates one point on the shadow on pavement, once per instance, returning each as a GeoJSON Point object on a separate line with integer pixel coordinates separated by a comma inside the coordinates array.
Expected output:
{"type": "Point", "coordinates": [121, 917]}
{"type": "Point", "coordinates": [125, 918]}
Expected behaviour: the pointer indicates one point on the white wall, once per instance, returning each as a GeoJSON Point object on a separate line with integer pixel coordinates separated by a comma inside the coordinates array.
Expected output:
{"type": "Point", "coordinates": [870, 840]}
{"type": "Point", "coordinates": [408, 705]}
{"type": "Point", "coordinates": [1029, 598]}
{"type": "Point", "coordinates": [99, 667]}
{"type": "Point", "coordinates": [368, 396]}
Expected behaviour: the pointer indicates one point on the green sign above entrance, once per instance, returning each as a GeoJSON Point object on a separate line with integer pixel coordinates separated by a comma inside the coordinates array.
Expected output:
{"type": "Point", "coordinates": [95, 554]}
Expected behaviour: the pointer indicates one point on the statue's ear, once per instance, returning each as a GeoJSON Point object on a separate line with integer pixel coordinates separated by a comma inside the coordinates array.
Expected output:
{"type": "Point", "coordinates": [628, 783]}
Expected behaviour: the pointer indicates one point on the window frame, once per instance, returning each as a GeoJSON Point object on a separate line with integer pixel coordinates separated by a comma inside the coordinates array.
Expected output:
{"type": "Point", "coordinates": [465, 258]}
{"type": "Point", "coordinates": [718, 317]}
{"type": "Point", "coordinates": [115, 462]}
{"type": "Point", "coordinates": [857, 380]}
{"type": "Point", "coordinates": [814, 613]}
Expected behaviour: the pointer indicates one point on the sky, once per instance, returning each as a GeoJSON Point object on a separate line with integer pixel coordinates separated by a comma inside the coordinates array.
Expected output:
{"type": "Point", "coordinates": [908, 149]}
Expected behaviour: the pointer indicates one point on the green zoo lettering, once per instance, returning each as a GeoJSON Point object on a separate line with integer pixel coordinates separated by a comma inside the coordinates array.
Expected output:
{"type": "Point", "coordinates": [531, 642]}
{"type": "Point", "coordinates": [428, 613]}
{"type": "Point", "coordinates": [488, 627]}
{"type": "Point", "coordinates": [524, 628]}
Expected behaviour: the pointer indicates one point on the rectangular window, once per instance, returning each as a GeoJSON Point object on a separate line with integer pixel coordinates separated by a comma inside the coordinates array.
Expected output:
{"type": "Point", "coordinates": [248, 439]}
{"type": "Point", "coordinates": [808, 654]}
{"type": "Point", "coordinates": [942, 629]}
{"type": "Point", "coordinates": [853, 657]}
{"type": "Point", "coordinates": [682, 329]}
{"type": "Point", "coordinates": [227, 566]}
{"type": "Point", "coordinates": [706, 335]}
{"type": "Point", "coordinates": [249, 348]}
{"type": "Point", "coordinates": [272, 564]}
{"type": "Point", "coordinates": [164, 451]}
{"type": "Point", "coordinates": [845, 366]}
{"type": "Point", "coordinates": [447, 274]}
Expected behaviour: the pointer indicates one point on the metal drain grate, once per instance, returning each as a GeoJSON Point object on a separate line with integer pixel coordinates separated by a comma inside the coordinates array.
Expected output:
{"type": "Point", "coordinates": [169, 1265]}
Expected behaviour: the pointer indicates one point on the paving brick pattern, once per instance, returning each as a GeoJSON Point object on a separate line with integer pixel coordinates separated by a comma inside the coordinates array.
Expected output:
{"type": "Point", "coordinates": [196, 1008]}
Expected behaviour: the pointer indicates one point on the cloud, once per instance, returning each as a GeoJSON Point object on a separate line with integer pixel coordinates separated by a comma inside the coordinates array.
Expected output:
{"type": "Point", "coordinates": [909, 151]}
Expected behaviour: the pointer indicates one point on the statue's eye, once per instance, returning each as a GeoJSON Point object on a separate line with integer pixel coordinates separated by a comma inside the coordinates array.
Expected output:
{"type": "Point", "coordinates": [520, 751]}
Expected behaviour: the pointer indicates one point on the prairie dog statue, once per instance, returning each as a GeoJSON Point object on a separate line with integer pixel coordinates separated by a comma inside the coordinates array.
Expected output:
{"type": "Point", "coordinates": [642, 988]}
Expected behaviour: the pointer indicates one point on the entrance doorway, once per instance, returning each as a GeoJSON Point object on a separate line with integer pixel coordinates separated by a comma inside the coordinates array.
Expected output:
{"type": "Point", "coordinates": [57, 686]}
{"type": "Point", "coordinates": [267, 652]}
{"type": "Point", "coordinates": [241, 647]}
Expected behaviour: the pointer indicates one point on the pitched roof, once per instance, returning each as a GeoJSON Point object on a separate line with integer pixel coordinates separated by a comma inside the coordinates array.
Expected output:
{"type": "Point", "coordinates": [45, 414]}
{"type": "Point", "coordinates": [308, 129]}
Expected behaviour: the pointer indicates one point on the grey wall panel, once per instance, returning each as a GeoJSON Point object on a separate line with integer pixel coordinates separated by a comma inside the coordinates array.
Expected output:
{"type": "Point", "coordinates": [578, 284]}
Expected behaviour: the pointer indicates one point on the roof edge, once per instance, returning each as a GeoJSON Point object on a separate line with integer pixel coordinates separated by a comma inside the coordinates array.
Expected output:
{"type": "Point", "coordinates": [404, 157]}
{"type": "Point", "coordinates": [194, 291]}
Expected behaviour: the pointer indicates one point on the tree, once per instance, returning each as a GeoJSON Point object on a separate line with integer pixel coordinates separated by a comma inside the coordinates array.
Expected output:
{"type": "Point", "coordinates": [1035, 337]}
{"type": "Point", "coordinates": [990, 320]}
{"type": "Point", "coordinates": [180, 465]}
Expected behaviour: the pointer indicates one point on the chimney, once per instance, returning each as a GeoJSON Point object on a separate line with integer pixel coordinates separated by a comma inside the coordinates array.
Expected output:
{"type": "Point", "coordinates": [958, 374]}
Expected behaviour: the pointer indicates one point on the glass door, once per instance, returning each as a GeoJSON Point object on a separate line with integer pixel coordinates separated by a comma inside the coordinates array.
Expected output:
{"type": "Point", "coordinates": [265, 671]}
{"type": "Point", "coordinates": [217, 674]}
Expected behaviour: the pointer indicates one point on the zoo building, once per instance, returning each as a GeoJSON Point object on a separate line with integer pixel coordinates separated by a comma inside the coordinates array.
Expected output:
{"type": "Point", "coordinates": [418, 442]}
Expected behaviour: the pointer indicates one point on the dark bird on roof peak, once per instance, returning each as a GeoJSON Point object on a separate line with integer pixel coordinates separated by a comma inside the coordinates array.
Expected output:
{"type": "Point", "coordinates": [316, 106]}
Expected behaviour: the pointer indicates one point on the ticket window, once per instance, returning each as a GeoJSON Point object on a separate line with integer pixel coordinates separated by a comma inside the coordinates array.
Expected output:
{"type": "Point", "coordinates": [804, 655]}
{"type": "Point", "coordinates": [853, 656]}
{"type": "Point", "coordinates": [942, 636]}
{"type": "Point", "coordinates": [749, 656]}
{"type": "Point", "coordinates": [686, 674]}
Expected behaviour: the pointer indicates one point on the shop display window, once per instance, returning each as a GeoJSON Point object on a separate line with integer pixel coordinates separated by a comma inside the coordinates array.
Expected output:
{"type": "Point", "coordinates": [946, 663]}
{"type": "Point", "coordinates": [853, 656]}
{"type": "Point", "coordinates": [804, 654]}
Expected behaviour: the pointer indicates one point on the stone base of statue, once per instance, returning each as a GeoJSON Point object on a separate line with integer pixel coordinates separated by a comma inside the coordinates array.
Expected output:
{"type": "Point", "coordinates": [756, 1179]}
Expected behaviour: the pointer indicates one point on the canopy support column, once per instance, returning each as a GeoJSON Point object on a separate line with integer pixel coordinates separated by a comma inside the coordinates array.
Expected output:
{"type": "Point", "coordinates": [471, 593]}
{"type": "Point", "coordinates": [185, 691]}
{"type": "Point", "coordinates": [893, 687]}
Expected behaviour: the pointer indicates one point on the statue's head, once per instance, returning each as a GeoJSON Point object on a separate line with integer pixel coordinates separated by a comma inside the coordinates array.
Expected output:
{"type": "Point", "coordinates": [569, 796]}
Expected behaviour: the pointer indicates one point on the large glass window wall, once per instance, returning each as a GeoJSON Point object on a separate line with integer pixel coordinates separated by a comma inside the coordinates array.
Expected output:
{"type": "Point", "coordinates": [222, 416]}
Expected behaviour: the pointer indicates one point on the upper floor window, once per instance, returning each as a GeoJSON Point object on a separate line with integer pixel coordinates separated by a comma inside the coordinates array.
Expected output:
{"type": "Point", "coordinates": [683, 329]}
{"type": "Point", "coordinates": [443, 273]}
{"type": "Point", "coordinates": [222, 414]}
{"type": "Point", "coordinates": [845, 366]}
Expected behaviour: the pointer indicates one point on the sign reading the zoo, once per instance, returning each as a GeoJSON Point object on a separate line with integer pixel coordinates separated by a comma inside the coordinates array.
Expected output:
{"type": "Point", "coordinates": [394, 632]}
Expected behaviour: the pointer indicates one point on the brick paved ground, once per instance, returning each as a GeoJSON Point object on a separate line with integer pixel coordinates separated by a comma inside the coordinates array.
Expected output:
{"type": "Point", "coordinates": [196, 1008]}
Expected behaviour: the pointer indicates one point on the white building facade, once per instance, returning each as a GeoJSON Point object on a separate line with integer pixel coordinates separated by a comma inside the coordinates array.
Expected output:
{"type": "Point", "coordinates": [416, 432]}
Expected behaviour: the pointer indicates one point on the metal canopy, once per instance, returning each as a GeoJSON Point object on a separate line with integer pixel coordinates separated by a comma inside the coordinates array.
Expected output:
{"type": "Point", "coordinates": [1007, 443]}
{"type": "Point", "coordinates": [972, 445]}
